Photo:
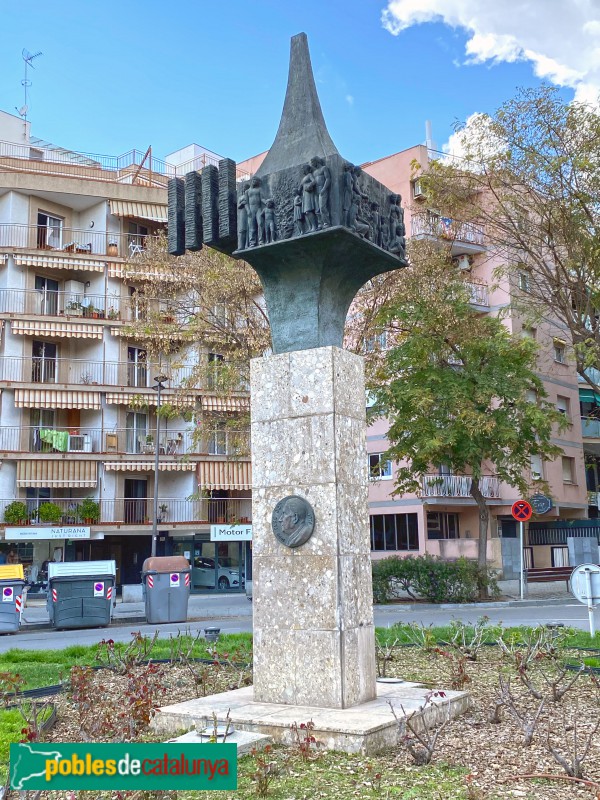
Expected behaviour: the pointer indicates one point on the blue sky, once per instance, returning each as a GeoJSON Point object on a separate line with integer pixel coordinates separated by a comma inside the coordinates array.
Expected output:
{"type": "Point", "coordinates": [119, 75]}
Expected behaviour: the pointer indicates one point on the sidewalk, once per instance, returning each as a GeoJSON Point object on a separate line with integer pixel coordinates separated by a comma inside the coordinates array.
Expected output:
{"type": "Point", "coordinates": [199, 607]}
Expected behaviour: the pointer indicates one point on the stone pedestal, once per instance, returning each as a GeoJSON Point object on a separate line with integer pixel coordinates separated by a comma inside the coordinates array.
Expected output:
{"type": "Point", "coordinates": [313, 605]}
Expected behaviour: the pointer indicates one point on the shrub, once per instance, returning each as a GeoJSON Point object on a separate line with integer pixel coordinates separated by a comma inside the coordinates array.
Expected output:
{"type": "Point", "coordinates": [50, 512]}
{"type": "Point", "coordinates": [89, 509]}
{"type": "Point", "coordinates": [15, 513]}
{"type": "Point", "coordinates": [433, 579]}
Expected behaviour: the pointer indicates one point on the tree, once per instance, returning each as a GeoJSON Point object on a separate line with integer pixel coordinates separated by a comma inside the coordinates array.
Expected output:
{"type": "Point", "coordinates": [455, 386]}
{"type": "Point", "coordinates": [531, 174]}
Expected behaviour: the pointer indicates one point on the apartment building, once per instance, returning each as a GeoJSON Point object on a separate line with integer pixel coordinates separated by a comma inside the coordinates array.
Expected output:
{"type": "Point", "coordinates": [442, 518]}
{"type": "Point", "coordinates": [78, 401]}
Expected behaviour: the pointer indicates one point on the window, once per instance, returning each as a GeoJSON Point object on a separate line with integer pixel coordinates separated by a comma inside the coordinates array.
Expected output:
{"type": "Point", "coordinates": [536, 466]}
{"type": "Point", "coordinates": [50, 231]}
{"type": "Point", "coordinates": [417, 188]}
{"type": "Point", "coordinates": [136, 433]}
{"type": "Point", "coordinates": [48, 296]}
{"type": "Point", "coordinates": [394, 532]}
{"type": "Point", "coordinates": [442, 525]}
{"type": "Point", "coordinates": [215, 371]}
{"type": "Point", "coordinates": [531, 396]}
{"type": "Point", "coordinates": [527, 332]}
{"type": "Point", "coordinates": [136, 237]}
{"type": "Point", "coordinates": [137, 370]}
{"type": "Point", "coordinates": [137, 303]}
{"type": "Point", "coordinates": [523, 281]}
{"type": "Point", "coordinates": [44, 365]}
{"type": "Point", "coordinates": [378, 468]}
{"type": "Point", "coordinates": [217, 441]}
{"type": "Point", "coordinates": [568, 469]}
{"type": "Point", "coordinates": [559, 351]}
{"type": "Point", "coordinates": [563, 404]}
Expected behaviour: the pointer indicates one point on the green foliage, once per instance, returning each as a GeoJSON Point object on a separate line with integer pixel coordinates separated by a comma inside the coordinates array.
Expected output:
{"type": "Point", "coordinates": [50, 512]}
{"type": "Point", "coordinates": [530, 173]}
{"type": "Point", "coordinates": [432, 579]}
{"type": "Point", "coordinates": [15, 513]}
{"type": "Point", "coordinates": [89, 509]}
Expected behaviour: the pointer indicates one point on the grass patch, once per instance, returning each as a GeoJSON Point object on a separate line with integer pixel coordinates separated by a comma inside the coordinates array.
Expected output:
{"type": "Point", "coordinates": [339, 776]}
{"type": "Point", "coordinates": [47, 667]}
{"type": "Point", "coordinates": [11, 727]}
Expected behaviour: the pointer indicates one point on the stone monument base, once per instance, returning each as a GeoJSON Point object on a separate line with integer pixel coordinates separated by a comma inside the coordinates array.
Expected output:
{"type": "Point", "coordinates": [367, 728]}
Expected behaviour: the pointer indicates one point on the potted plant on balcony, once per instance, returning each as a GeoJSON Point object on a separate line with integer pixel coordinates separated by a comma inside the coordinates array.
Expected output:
{"type": "Point", "coordinates": [49, 514]}
{"type": "Point", "coordinates": [164, 510]}
{"type": "Point", "coordinates": [89, 511]}
{"type": "Point", "coordinates": [74, 308]}
{"type": "Point", "coordinates": [16, 513]}
{"type": "Point", "coordinates": [113, 249]}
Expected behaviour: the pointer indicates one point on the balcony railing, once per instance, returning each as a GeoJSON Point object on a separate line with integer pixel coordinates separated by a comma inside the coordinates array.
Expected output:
{"type": "Point", "coordinates": [590, 427]}
{"type": "Point", "coordinates": [126, 441]}
{"type": "Point", "coordinates": [458, 486]}
{"type": "Point", "coordinates": [134, 166]}
{"type": "Point", "coordinates": [447, 228]}
{"type": "Point", "coordinates": [19, 369]}
{"type": "Point", "coordinates": [76, 241]}
{"type": "Point", "coordinates": [60, 303]}
{"type": "Point", "coordinates": [479, 294]}
{"type": "Point", "coordinates": [128, 511]}
{"type": "Point", "coordinates": [594, 499]}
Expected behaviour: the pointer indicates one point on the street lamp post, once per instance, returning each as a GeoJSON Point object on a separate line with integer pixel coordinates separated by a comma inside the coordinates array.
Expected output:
{"type": "Point", "coordinates": [159, 381]}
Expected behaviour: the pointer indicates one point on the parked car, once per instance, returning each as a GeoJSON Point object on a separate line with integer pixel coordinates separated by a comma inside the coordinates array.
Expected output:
{"type": "Point", "coordinates": [204, 574]}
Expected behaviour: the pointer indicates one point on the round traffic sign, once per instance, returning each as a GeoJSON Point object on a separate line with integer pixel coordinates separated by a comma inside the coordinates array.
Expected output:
{"type": "Point", "coordinates": [580, 587]}
{"type": "Point", "coordinates": [541, 503]}
{"type": "Point", "coordinates": [521, 511]}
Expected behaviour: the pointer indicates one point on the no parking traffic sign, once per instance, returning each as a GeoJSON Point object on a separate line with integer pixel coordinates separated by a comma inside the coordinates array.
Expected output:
{"type": "Point", "coordinates": [521, 510]}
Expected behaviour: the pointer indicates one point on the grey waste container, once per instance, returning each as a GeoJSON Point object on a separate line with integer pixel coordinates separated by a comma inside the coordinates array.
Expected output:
{"type": "Point", "coordinates": [12, 583]}
{"type": "Point", "coordinates": [166, 586]}
{"type": "Point", "coordinates": [81, 594]}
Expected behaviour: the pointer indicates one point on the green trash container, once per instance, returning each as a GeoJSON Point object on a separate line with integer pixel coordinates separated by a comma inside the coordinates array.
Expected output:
{"type": "Point", "coordinates": [166, 587]}
{"type": "Point", "coordinates": [12, 583]}
{"type": "Point", "coordinates": [81, 594]}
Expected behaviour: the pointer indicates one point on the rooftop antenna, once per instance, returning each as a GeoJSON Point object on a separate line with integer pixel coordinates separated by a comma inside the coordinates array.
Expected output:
{"type": "Point", "coordinates": [26, 83]}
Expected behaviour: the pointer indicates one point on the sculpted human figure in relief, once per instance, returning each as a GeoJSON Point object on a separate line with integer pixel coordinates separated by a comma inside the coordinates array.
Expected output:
{"type": "Point", "coordinates": [309, 202]}
{"type": "Point", "coordinates": [322, 176]}
{"type": "Point", "coordinates": [255, 205]}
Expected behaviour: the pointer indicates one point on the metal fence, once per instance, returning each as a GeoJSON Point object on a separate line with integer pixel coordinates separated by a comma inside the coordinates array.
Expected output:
{"type": "Point", "coordinates": [71, 240]}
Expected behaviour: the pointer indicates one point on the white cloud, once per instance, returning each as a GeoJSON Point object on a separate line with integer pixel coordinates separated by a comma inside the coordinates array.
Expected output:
{"type": "Point", "coordinates": [350, 99]}
{"type": "Point", "coordinates": [560, 38]}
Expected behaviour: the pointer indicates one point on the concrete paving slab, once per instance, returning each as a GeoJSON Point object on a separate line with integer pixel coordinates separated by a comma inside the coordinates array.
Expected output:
{"type": "Point", "coordinates": [367, 728]}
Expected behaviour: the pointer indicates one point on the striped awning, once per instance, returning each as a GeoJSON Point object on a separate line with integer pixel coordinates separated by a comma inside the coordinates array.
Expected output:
{"type": "Point", "coordinates": [148, 466]}
{"type": "Point", "coordinates": [140, 272]}
{"type": "Point", "coordinates": [57, 398]}
{"type": "Point", "coordinates": [127, 208]}
{"type": "Point", "coordinates": [59, 262]}
{"type": "Point", "coordinates": [61, 330]}
{"type": "Point", "coordinates": [135, 399]}
{"type": "Point", "coordinates": [214, 403]}
{"type": "Point", "coordinates": [225, 475]}
{"type": "Point", "coordinates": [63, 473]}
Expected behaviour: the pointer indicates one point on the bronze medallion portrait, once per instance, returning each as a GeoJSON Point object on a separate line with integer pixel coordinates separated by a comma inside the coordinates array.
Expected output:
{"type": "Point", "coordinates": [293, 521]}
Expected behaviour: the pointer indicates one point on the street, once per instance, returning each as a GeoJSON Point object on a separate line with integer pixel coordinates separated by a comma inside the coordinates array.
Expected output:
{"type": "Point", "coordinates": [235, 617]}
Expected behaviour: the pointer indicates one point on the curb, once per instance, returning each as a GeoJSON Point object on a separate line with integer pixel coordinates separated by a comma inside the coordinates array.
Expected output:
{"type": "Point", "coordinates": [548, 601]}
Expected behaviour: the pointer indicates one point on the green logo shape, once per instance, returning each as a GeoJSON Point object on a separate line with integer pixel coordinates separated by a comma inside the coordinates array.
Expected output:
{"type": "Point", "coordinates": [123, 766]}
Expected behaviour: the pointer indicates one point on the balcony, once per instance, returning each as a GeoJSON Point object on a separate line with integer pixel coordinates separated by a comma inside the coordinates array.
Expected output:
{"type": "Point", "coordinates": [134, 167]}
{"type": "Point", "coordinates": [590, 428]}
{"type": "Point", "coordinates": [71, 242]}
{"type": "Point", "coordinates": [458, 486]}
{"type": "Point", "coordinates": [479, 294]}
{"type": "Point", "coordinates": [464, 237]}
{"type": "Point", "coordinates": [126, 511]}
{"type": "Point", "coordinates": [122, 441]}
{"type": "Point", "coordinates": [52, 371]}
{"type": "Point", "coordinates": [594, 499]}
{"type": "Point", "coordinates": [61, 303]}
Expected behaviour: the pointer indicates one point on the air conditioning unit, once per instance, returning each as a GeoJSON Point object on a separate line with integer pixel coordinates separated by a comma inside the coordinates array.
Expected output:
{"type": "Point", "coordinates": [463, 261]}
{"type": "Point", "coordinates": [80, 443]}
